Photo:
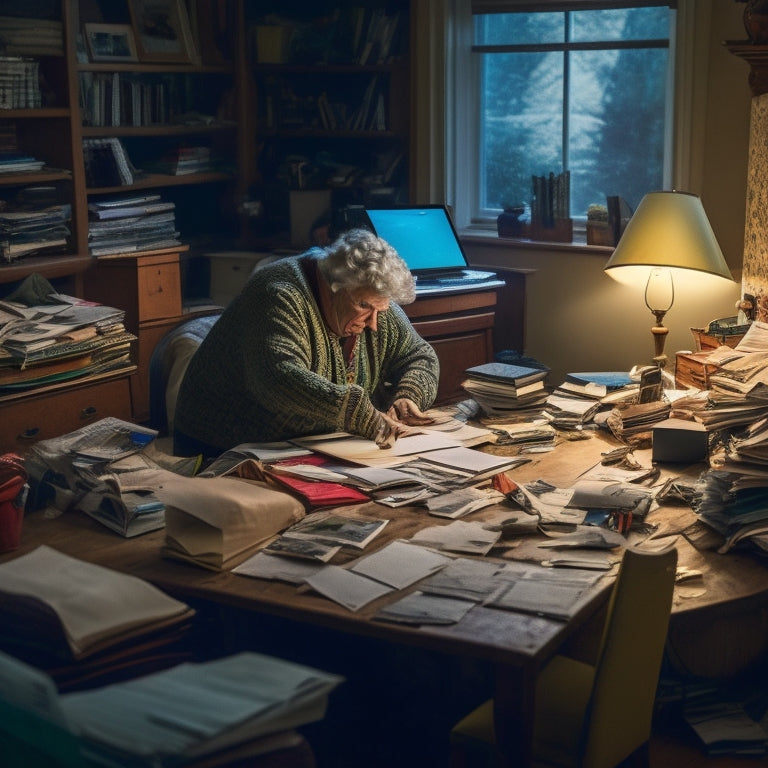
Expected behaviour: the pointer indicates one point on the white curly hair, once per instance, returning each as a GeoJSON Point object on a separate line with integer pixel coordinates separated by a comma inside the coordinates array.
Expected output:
{"type": "Point", "coordinates": [358, 259]}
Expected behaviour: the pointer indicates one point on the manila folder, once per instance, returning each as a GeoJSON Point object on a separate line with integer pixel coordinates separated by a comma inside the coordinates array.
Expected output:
{"type": "Point", "coordinates": [218, 521]}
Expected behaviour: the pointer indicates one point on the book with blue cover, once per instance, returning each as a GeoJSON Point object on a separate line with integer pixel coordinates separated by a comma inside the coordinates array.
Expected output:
{"type": "Point", "coordinates": [507, 373]}
{"type": "Point", "coordinates": [609, 379]}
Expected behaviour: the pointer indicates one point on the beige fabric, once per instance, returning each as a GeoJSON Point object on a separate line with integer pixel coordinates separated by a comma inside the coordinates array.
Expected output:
{"type": "Point", "coordinates": [179, 354]}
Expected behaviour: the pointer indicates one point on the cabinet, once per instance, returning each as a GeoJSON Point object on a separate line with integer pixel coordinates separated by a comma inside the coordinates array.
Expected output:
{"type": "Point", "coordinates": [459, 326]}
{"type": "Point", "coordinates": [55, 410]}
{"type": "Point", "coordinates": [692, 370]}
{"type": "Point", "coordinates": [332, 107]}
{"type": "Point", "coordinates": [148, 287]}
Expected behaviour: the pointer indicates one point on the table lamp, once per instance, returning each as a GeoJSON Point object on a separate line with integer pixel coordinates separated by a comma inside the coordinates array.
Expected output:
{"type": "Point", "coordinates": [669, 231]}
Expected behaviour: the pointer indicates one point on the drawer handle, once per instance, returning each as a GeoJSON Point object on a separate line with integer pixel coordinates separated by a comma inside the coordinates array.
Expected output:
{"type": "Point", "coordinates": [88, 412]}
{"type": "Point", "coordinates": [29, 434]}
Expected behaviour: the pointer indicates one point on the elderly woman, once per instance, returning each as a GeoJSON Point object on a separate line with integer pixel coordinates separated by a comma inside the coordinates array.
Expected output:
{"type": "Point", "coordinates": [315, 343]}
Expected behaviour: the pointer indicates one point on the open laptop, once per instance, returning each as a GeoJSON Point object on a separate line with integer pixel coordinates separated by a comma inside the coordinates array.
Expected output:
{"type": "Point", "coordinates": [426, 239]}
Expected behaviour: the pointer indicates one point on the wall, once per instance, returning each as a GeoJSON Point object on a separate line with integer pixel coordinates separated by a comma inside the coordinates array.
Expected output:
{"type": "Point", "coordinates": [579, 318]}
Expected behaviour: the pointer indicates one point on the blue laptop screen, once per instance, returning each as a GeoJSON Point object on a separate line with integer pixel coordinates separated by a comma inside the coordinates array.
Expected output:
{"type": "Point", "coordinates": [424, 237]}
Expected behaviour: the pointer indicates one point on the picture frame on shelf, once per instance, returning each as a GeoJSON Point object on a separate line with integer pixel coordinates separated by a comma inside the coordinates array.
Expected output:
{"type": "Point", "coordinates": [162, 31]}
{"type": "Point", "coordinates": [111, 42]}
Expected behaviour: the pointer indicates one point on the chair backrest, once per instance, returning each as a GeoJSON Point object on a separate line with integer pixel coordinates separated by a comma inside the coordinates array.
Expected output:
{"type": "Point", "coordinates": [629, 662]}
{"type": "Point", "coordinates": [168, 364]}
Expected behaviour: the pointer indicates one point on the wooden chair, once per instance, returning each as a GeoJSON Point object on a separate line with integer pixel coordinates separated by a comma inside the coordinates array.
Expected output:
{"type": "Point", "coordinates": [594, 716]}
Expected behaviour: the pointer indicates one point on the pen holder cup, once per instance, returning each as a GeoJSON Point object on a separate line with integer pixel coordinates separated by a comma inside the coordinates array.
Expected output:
{"type": "Point", "coordinates": [13, 495]}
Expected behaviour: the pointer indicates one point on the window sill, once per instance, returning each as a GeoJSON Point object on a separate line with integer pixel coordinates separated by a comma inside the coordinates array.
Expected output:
{"type": "Point", "coordinates": [487, 236]}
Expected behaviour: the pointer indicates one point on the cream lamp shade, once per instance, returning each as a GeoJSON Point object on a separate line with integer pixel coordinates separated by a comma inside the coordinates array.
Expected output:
{"type": "Point", "coordinates": [668, 231]}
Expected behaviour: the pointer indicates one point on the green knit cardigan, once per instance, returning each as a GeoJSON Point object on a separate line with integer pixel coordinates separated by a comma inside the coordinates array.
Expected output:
{"type": "Point", "coordinates": [270, 369]}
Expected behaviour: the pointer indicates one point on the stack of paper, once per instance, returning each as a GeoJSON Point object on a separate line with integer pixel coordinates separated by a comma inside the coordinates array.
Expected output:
{"type": "Point", "coordinates": [730, 497]}
{"type": "Point", "coordinates": [745, 375]}
{"type": "Point", "coordinates": [64, 606]}
{"type": "Point", "coordinates": [173, 716]}
{"type": "Point", "coordinates": [63, 339]}
{"type": "Point", "coordinates": [74, 471]}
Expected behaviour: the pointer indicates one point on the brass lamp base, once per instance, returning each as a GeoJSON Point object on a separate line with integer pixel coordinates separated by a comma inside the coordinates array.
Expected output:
{"type": "Point", "coordinates": [659, 332]}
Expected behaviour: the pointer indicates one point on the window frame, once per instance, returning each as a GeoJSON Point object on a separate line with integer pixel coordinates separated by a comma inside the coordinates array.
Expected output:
{"type": "Point", "coordinates": [462, 73]}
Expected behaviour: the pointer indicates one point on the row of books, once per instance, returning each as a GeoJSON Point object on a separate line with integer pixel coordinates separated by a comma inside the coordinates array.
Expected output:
{"type": "Point", "coordinates": [351, 35]}
{"type": "Point", "coordinates": [116, 98]}
{"type": "Point", "coordinates": [369, 115]}
{"type": "Point", "coordinates": [19, 83]}
{"type": "Point", "coordinates": [551, 198]}
{"type": "Point", "coordinates": [364, 109]}
{"type": "Point", "coordinates": [131, 223]}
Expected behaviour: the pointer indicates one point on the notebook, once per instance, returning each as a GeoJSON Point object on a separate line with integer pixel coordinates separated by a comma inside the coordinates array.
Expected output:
{"type": "Point", "coordinates": [426, 239]}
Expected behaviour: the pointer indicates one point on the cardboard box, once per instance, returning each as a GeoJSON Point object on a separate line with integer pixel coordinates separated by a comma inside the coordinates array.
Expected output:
{"type": "Point", "coordinates": [679, 441]}
{"type": "Point", "coordinates": [307, 206]}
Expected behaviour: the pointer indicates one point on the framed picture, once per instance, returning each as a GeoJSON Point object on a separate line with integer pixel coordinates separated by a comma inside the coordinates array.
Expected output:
{"type": "Point", "coordinates": [162, 30]}
{"type": "Point", "coordinates": [111, 42]}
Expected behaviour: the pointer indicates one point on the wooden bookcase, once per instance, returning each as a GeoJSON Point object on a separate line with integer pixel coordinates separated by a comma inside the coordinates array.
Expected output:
{"type": "Point", "coordinates": [204, 106]}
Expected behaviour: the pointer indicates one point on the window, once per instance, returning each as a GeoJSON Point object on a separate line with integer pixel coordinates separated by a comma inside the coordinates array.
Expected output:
{"type": "Point", "coordinates": [576, 87]}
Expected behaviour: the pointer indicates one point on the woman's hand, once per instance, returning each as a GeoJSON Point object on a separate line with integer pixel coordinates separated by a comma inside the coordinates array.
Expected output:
{"type": "Point", "coordinates": [390, 429]}
{"type": "Point", "coordinates": [406, 411]}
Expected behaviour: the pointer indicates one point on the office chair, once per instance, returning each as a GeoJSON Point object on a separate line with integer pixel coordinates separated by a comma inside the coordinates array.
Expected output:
{"type": "Point", "coordinates": [594, 716]}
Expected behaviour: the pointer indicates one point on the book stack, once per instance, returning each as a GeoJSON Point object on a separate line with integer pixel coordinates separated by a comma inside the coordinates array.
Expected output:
{"type": "Point", "coordinates": [504, 388]}
{"type": "Point", "coordinates": [184, 160]}
{"type": "Point", "coordinates": [19, 162]}
{"type": "Point", "coordinates": [745, 375]}
{"type": "Point", "coordinates": [25, 232]}
{"type": "Point", "coordinates": [576, 400]}
{"type": "Point", "coordinates": [129, 224]}
{"type": "Point", "coordinates": [31, 36]}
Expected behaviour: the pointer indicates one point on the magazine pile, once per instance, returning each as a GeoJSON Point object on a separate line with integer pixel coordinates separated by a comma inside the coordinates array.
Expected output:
{"type": "Point", "coordinates": [47, 337]}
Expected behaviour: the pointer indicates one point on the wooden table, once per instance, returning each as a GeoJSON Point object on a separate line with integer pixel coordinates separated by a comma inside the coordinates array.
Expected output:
{"type": "Point", "coordinates": [516, 644]}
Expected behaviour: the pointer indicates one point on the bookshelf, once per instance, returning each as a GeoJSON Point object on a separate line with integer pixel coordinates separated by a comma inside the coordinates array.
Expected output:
{"type": "Point", "coordinates": [332, 105]}
{"type": "Point", "coordinates": [163, 109]}
{"type": "Point", "coordinates": [196, 102]}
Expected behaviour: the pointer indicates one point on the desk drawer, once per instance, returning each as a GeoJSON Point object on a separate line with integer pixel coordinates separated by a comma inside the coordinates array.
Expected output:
{"type": "Point", "coordinates": [692, 371]}
{"type": "Point", "coordinates": [159, 290]}
{"type": "Point", "coordinates": [50, 414]}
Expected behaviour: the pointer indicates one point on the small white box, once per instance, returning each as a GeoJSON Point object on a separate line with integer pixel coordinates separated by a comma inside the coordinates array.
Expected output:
{"type": "Point", "coordinates": [230, 271]}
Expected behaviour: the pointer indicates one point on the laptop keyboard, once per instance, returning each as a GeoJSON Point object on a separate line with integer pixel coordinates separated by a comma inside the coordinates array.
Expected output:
{"type": "Point", "coordinates": [460, 278]}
